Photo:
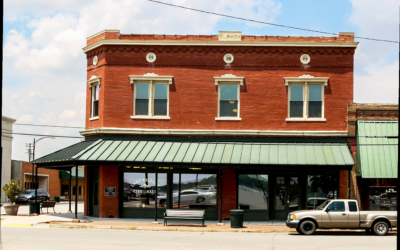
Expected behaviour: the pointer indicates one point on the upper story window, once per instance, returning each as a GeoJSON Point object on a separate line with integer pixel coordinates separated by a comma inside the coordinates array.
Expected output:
{"type": "Point", "coordinates": [151, 96]}
{"type": "Point", "coordinates": [94, 83]}
{"type": "Point", "coordinates": [306, 98]}
{"type": "Point", "coordinates": [228, 97]}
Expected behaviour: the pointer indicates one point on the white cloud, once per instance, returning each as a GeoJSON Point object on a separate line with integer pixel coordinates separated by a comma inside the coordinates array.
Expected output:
{"type": "Point", "coordinates": [25, 118]}
{"type": "Point", "coordinates": [376, 78]}
{"type": "Point", "coordinates": [68, 114]}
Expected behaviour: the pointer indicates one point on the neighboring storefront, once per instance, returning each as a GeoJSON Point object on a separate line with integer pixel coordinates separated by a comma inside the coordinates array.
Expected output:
{"type": "Point", "coordinates": [374, 178]}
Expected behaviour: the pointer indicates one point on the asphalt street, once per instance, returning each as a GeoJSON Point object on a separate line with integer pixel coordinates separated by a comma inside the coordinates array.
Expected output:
{"type": "Point", "coordinates": [45, 238]}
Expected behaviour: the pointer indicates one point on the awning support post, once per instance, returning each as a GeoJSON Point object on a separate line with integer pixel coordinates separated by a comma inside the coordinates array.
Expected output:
{"type": "Point", "coordinates": [220, 196]}
{"type": "Point", "coordinates": [70, 190]}
{"type": "Point", "coordinates": [155, 197]}
{"type": "Point", "coordinates": [76, 192]}
{"type": "Point", "coordinates": [36, 186]}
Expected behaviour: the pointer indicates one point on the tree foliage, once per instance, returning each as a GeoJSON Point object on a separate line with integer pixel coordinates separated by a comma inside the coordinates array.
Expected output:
{"type": "Point", "coordinates": [12, 189]}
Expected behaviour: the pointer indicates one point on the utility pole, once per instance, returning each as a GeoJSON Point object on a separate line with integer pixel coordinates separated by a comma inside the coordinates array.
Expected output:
{"type": "Point", "coordinates": [29, 150]}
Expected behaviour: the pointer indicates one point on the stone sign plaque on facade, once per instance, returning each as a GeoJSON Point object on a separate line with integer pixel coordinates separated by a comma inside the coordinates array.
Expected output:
{"type": "Point", "coordinates": [230, 36]}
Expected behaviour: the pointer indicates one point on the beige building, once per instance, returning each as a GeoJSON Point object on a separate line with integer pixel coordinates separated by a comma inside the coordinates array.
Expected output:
{"type": "Point", "coordinates": [6, 146]}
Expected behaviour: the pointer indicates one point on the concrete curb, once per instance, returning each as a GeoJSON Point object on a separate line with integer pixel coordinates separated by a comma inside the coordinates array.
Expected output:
{"type": "Point", "coordinates": [66, 226]}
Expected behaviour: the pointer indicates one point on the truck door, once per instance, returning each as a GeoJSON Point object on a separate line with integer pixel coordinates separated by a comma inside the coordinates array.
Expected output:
{"type": "Point", "coordinates": [336, 217]}
{"type": "Point", "coordinates": [354, 215]}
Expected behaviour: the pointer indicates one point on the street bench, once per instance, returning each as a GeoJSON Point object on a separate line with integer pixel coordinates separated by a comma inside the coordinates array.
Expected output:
{"type": "Point", "coordinates": [172, 214]}
{"type": "Point", "coordinates": [47, 204]}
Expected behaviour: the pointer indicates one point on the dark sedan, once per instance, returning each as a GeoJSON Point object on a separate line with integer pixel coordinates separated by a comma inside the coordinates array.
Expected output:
{"type": "Point", "coordinates": [29, 194]}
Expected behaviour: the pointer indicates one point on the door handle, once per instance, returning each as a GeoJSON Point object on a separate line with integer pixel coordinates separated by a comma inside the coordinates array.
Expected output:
{"type": "Point", "coordinates": [343, 214]}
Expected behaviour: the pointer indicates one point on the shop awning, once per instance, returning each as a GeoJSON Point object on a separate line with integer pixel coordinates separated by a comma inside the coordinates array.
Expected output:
{"type": "Point", "coordinates": [377, 157]}
{"type": "Point", "coordinates": [109, 151]}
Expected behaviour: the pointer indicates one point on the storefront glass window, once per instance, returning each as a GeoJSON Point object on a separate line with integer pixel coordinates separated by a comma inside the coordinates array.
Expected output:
{"type": "Point", "coordinates": [382, 198]}
{"type": "Point", "coordinates": [195, 191]}
{"type": "Point", "coordinates": [253, 191]}
{"type": "Point", "coordinates": [320, 188]}
{"type": "Point", "coordinates": [140, 190]}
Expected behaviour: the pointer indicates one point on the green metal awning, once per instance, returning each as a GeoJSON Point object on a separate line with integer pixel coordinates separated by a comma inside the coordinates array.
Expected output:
{"type": "Point", "coordinates": [65, 174]}
{"type": "Point", "coordinates": [377, 157]}
{"type": "Point", "coordinates": [109, 151]}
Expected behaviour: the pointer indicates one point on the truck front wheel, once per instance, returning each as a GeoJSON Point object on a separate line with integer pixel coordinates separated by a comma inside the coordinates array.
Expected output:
{"type": "Point", "coordinates": [307, 227]}
{"type": "Point", "coordinates": [380, 228]}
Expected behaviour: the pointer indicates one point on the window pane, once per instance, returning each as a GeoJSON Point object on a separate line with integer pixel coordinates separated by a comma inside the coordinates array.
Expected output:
{"type": "Point", "coordinates": [97, 89]}
{"type": "Point", "coordinates": [95, 108]}
{"type": "Point", "coordinates": [314, 109]}
{"type": "Point", "coordinates": [321, 188]}
{"type": "Point", "coordinates": [383, 198]}
{"type": "Point", "coordinates": [197, 191]}
{"type": "Point", "coordinates": [314, 92]}
{"type": "Point", "coordinates": [280, 198]}
{"type": "Point", "coordinates": [142, 107]}
{"type": "Point", "coordinates": [296, 92]}
{"type": "Point", "coordinates": [253, 191]}
{"type": "Point", "coordinates": [142, 91]}
{"type": "Point", "coordinates": [160, 107]}
{"type": "Point", "coordinates": [140, 190]}
{"type": "Point", "coordinates": [352, 206]}
{"type": "Point", "coordinates": [296, 109]}
{"type": "Point", "coordinates": [229, 92]}
{"type": "Point", "coordinates": [337, 206]}
{"type": "Point", "coordinates": [160, 90]}
{"type": "Point", "coordinates": [228, 108]}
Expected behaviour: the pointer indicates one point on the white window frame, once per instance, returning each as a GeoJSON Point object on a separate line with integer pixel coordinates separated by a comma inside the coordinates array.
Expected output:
{"type": "Point", "coordinates": [233, 80]}
{"type": "Point", "coordinates": [151, 79]}
{"type": "Point", "coordinates": [93, 82]}
{"type": "Point", "coordinates": [307, 80]}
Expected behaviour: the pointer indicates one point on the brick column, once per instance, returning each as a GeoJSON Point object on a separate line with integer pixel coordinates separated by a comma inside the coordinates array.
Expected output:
{"type": "Point", "coordinates": [229, 194]}
{"type": "Point", "coordinates": [109, 205]}
{"type": "Point", "coordinates": [343, 184]}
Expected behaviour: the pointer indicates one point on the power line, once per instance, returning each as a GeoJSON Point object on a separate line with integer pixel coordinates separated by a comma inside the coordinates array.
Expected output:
{"type": "Point", "coordinates": [278, 25]}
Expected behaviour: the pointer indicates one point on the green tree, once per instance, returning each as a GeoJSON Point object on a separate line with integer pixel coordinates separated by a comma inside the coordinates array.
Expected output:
{"type": "Point", "coordinates": [12, 189]}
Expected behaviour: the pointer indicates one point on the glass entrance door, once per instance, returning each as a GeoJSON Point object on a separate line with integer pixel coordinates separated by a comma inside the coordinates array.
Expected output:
{"type": "Point", "coordinates": [286, 196]}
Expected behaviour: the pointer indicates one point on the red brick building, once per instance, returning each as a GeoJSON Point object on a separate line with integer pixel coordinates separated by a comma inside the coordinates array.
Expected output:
{"type": "Point", "coordinates": [173, 118]}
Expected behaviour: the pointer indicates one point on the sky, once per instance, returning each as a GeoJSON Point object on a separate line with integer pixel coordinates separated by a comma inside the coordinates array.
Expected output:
{"type": "Point", "coordinates": [44, 67]}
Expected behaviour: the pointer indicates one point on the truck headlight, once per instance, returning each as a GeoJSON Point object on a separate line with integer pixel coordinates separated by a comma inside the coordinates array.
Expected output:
{"type": "Point", "coordinates": [292, 217]}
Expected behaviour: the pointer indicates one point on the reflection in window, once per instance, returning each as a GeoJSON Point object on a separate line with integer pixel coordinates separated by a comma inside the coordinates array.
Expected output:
{"type": "Point", "coordinates": [337, 206]}
{"type": "Point", "coordinates": [382, 198]}
{"type": "Point", "coordinates": [280, 198]}
{"type": "Point", "coordinates": [320, 188]}
{"type": "Point", "coordinates": [253, 191]}
{"type": "Point", "coordinates": [194, 191]}
{"type": "Point", "coordinates": [140, 190]}
{"type": "Point", "coordinates": [228, 104]}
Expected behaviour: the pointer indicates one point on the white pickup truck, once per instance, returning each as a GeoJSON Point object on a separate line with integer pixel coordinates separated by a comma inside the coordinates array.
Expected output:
{"type": "Point", "coordinates": [342, 214]}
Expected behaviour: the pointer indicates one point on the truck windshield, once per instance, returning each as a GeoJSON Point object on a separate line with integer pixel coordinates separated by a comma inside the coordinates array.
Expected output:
{"type": "Point", "coordinates": [323, 205]}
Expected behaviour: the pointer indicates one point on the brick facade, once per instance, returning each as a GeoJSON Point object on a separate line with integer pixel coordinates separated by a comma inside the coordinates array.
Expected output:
{"type": "Point", "coordinates": [193, 95]}
{"type": "Point", "coordinates": [108, 205]}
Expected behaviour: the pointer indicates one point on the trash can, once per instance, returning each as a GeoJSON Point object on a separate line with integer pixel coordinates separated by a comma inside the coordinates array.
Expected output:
{"type": "Point", "coordinates": [32, 207]}
{"type": "Point", "coordinates": [237, 218]}
{"type": "Point", "coordinates": [57, 198]}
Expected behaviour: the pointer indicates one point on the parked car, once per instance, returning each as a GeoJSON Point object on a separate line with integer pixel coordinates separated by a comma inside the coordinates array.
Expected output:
{"type": "Point", "coordinates": [342, 214]}
{"type": "Point", "coordinates": [189, 196]}
{"type": "Point", "coordinates": [29, 194]}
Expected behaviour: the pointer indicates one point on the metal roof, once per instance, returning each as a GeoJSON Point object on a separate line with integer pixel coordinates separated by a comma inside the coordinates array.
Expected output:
{"type": "Point", "coordinates": [377, 157]}
{"type": "Point", "coordinates": [211, 152]}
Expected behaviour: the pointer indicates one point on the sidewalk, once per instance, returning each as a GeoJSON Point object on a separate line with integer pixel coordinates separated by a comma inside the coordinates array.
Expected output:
{"type": "Point", "coordinates": [64, 220]}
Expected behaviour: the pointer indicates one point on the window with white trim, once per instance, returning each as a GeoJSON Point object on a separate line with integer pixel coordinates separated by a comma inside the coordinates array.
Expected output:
{"type": "Point", "coordinates": [95, 100]}
{"type": "Point", "coordinates": [306, 98]}
{"type": "Point", "coordinates": [94, 83]}
{"type": "Point", "coordinates": [151, 99]}
{"type": "Point", "coordinates": [228, 103]}
{"type": "Point", "coordinates": [150, 96]}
